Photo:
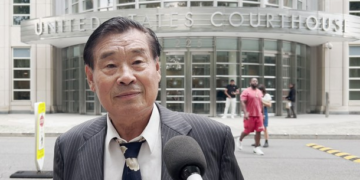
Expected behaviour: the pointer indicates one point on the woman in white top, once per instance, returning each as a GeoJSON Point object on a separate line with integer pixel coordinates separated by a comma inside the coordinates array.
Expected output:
{"type": "Point", "coordinates": [267, 104]}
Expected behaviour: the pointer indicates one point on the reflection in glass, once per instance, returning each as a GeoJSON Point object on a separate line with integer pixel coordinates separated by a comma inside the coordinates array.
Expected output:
{"type": "Point", "coordinates": [270, 60]}
{"type": "Point", "coordinates": [175, 95]}
{"type": "Point", "coordinates": [354, 95]}
{"type": "Point", "coordinates": [200, 82]}
{"type": "Point", "coordinates": [179, 107]}
{"type": "Point", "coordinates": [250, 70]}
{"type": "Point", "coordinates": [201, 108]}
{"type": "Point", "coordinates": [270, 70]}
{"type": "Point", "coordinates": [200, 95]}
{"type": "Point", "coordinates": [201, 69]}
{"type": "Point", "coordinates": [17, 19]}
{"type": "Point", "coordinates": [175, 4]}
{"type": "Point", "coordinates": [21, 1]}
{"type": "Point", "coordinates": [21, 84]}
{"type": "Point", "coordinates": [175, 82]}
{"type": "Point", "coordinates": [222, 82]}
{"type": "Point", "coordinates": [152, 5]}
{"type": "Point", "coordinates": [270, 83]}
{"type": "Point", "coordinates": [22, 74]}
{"type": "Point", "coordinates": [250, 5]}
{"type": "Point", "coordinates": [355, 73]}
{"type": "Point", "coordinates": [354, 84]}
{"type": "Point", "coordinates": [355, 61]}
{"type": "Point", "coordinates": [90, 106]}
{"type": "Point", "coordinates": [21, 9]}
{"type": "Point", "coordinates": [21, 63]}
{"type": "Point", "coordinates": [226, 69]}
{"type": "Point", "coordinates": [88, 4]}
{"type": "Point", "coordinates": [201, 4]}
{"type": "Point", "coordinates": [227, 4]}
{"type": "Point", "coordinates": [354, 6]}
{"type": "Point", "coordinates": [250, 57]}
{"type": "Point", "coordinates": [90, 96]}
{"type": "Point", "coordinates": [201, 58]}
{"type": "Point", "coordinates": [21, 95]}
{"type": "Point", "coordinates": [226, 57]}
{"type": "Point", "coordinates": [175, 69]}
{"type": "Point", "coordinates": [126, 7]}
{"type": "Point", "coordinates": [125, 1]}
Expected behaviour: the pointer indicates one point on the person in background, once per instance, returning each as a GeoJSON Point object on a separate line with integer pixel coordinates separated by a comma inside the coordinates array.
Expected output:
{"type": "Point", "coordinates": [230, 91]}
{"type": "Point", "coordinates": [267, 104]}
{"type": "Point", "coordinates": [292, 98]}
{"type": "Point", "coordinates": [251, 103]}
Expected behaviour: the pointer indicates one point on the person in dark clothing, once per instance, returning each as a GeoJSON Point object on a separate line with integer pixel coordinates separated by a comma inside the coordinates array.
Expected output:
{"type": "Point", "coordinates": [292, 98]}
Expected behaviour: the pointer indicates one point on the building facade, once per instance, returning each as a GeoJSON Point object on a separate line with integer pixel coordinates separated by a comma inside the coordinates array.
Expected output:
{"type": "Point", "coordinates": [312, 43]}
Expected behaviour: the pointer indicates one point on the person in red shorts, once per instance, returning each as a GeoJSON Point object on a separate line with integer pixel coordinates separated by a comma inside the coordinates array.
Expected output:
{"type": "Point", "coordinates": [251, 103]}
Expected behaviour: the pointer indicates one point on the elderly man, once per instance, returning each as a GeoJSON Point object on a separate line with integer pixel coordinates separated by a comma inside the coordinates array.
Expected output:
{"type": "Point", "coordinates": [122, 68]}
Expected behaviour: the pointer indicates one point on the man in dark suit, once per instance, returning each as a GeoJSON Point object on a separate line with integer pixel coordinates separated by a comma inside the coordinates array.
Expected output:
{"type": "Point", "coordinates": [122, 67]}
{"type": "Point", "coordinates": [291, 98]}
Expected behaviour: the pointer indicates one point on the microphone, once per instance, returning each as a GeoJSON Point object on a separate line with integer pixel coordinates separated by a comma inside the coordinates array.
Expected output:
{"type": "Point", "coordinates": [184, 158]}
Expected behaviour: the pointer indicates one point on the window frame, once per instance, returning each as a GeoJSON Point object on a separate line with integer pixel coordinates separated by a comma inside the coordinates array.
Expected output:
{"type": "Point", "coordinates": [21, 15]}
{"type": "Point", "coordinates": [353, 78]}
{"type": "Point", "coordinates": [354, 11]}
{"type": "Point", "coordinates": [20, 79]}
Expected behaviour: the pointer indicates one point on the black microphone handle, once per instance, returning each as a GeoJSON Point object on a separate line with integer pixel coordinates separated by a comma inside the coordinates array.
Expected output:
{"type": "Point", "coordinates": [187, 171]}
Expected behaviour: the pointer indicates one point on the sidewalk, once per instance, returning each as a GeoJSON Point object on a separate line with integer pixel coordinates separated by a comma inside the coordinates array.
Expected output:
{"type": "Point", "coordinates": [307, 126]}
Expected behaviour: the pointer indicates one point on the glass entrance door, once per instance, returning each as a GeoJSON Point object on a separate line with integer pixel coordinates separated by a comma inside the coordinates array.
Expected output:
{"type": "Point", "coordinates": [201, 86]}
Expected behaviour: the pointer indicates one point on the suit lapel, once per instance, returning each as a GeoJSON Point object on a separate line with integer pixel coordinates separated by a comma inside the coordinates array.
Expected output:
{"type": "Point", "coordinates": [172, 124]}
{"type": "Point", "coordinates": [91, 153]}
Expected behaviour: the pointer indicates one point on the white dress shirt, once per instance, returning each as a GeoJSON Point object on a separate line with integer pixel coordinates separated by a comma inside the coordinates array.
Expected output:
{"type": "Point", "coordinates": [149, 157]}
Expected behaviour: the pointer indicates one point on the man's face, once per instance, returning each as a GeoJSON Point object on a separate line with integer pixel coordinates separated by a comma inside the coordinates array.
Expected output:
{"type": "Point", "coordinates": [232, 83]}
{"type": "Point", "coordinates": [254, 83]}
{"type": "Point", "coordinates": [290, 85]}
{"type": "Point", "coordinates": [125, 76]}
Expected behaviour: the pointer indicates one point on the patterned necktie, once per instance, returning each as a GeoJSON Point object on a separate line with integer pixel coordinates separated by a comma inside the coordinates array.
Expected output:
{"type": "Point", "coordinates": [131, 168]}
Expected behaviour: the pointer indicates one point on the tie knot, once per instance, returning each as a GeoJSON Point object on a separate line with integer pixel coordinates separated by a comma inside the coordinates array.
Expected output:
{"type": "Point", "coordinates": [131, 150]}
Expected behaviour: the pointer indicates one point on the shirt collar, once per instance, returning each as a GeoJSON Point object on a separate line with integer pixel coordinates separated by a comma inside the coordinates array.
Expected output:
{"type": "Point", "coordinates": [150, 133]}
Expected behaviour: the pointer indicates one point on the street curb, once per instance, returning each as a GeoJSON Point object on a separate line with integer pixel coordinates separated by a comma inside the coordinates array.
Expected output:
{"type": "Point", "coordinates": [309, 136]}
{"type": "Point", "coordinates": [271, 136]}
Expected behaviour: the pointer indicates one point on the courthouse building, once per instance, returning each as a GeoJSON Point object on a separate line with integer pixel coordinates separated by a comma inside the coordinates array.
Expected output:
{"type": "Point", "coordinates": [206, 43]}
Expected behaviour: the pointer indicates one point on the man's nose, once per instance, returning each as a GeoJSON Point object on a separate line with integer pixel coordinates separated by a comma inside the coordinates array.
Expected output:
{"type": "Point", "coordinates": [126, 76]}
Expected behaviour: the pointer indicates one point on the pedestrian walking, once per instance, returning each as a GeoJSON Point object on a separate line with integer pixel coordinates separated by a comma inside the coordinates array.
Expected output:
{"type": "Point", "coordinates": [291, 98]}
{"type": "Point", "coordinates": [231, 90]}
{"type": "Point", "coordinates": [266, 100]}
{"type": "Point", "coordinates": [251, 103]}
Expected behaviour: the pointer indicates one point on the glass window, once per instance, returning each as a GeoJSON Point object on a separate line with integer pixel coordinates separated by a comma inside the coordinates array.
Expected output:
{"type": "Point", "coordinates": [226, 44]}
{"type": "Point", "coordinates": [354, 50]}
{"type": "Point", "coordinates": [227, 4]}
{"type": "Point", "coordinates": [355, 73]}
{"type": "Point", "coordinates": [151, 5]}
{"type": "Point", "coordinates": [299, 5]}
{"type": "Point", "coordinates": [175, 4]}
{"type": "Point", "coordinates": [88, 4]}
{"type": "Point", "coordinates": [125, 1]}
{"type": "Point", "coordinates": [355, 14]}
{"type": "Point", "coordinates": [270, 70]}
{"type": "Point", "coordinates": [21, 12]}
{"type": "Point", "coordinates": [273, 1]}
{"type": "Point", "coordinates": [270, 45]}
{"type": "Point", "coordinates": [354, 5]}
{"type": "Point", "coordinates": [106, 3]}
{"type": "Point", "coordinates": [126, 7]}
{"type": "Point", "coordinates": [250, 57]}
{"type": "Point", "coordinates": [22, 74]}
{"type": "Point", "coordinates": [288, 3]}
{"type": "Point", "coordinates": [227, 69]}
{"type": "Point", "coordinates": [201, 69]}
{"type": "Point", "coordinates": [250, 70]}
{"type": "Point", "coordinates": [21, 9]}
{"type": "Point", "coordinates": [21, 52]}
{"type": "Point", "coordinates": [21, 95]}
{"type": "Point", "coordinates": [250, 44]}
{"type": "Point", "coordinates": [355, 61]}
{"type": "Point", "coordinates": [21, 1]}
{"type": "Point", "coordinates": [287, 46]}
{"type": "Point", "coordinates": [227, 57]}
{"type": "Point", "coordinates": [354, 84]}
{"type": "Point", "coordinates": [21, 84]}
{"type": "Point", "coordinates": [75, 8]}
{"type": "Point", "coordinates": [251, 5]}
{"type": "Point", "coordinates": [175, 82]}
{"type": "Point", "coordinates": [269, 83]}
{"type": "Point", "coordinates": [201, 4]}
{"type": "Point", "coordinates": [270, 60]}
{"type": "Point", "coordinates": [200, 82]}
{"type": "Point", "coordinates": [20, 63]}
{"type": "Point", "coordinates": [354, 95]}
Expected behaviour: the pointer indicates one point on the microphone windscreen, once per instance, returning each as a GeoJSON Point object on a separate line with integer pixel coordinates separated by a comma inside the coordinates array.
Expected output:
{"type": "Point", "coordinates": [181, 151]}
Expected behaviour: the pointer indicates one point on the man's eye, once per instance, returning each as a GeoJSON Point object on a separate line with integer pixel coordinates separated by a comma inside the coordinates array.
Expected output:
{"type": "Point", "coordinates": [137, 62]}
{"type": "Point", "coordinates": [110, 66]}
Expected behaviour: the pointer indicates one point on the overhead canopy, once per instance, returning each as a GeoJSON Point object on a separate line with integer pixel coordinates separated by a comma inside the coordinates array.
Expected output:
{"type": "Point", "coordinates": [311, 28]}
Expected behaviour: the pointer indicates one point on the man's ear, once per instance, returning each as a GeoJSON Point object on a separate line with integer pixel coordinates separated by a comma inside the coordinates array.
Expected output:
{"type": "Point", "coordinates": [90, 77]}
{"type": "Point", "coordinates": [157, 66]}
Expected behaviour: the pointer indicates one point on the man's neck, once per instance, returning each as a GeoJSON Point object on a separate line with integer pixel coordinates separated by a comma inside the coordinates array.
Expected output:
{"type": "Point", "coordinates": [130, 126]}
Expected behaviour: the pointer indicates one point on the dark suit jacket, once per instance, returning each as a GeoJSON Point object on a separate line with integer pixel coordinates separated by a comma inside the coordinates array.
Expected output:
{"type": "Point", "coordinates": [79, 153]}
